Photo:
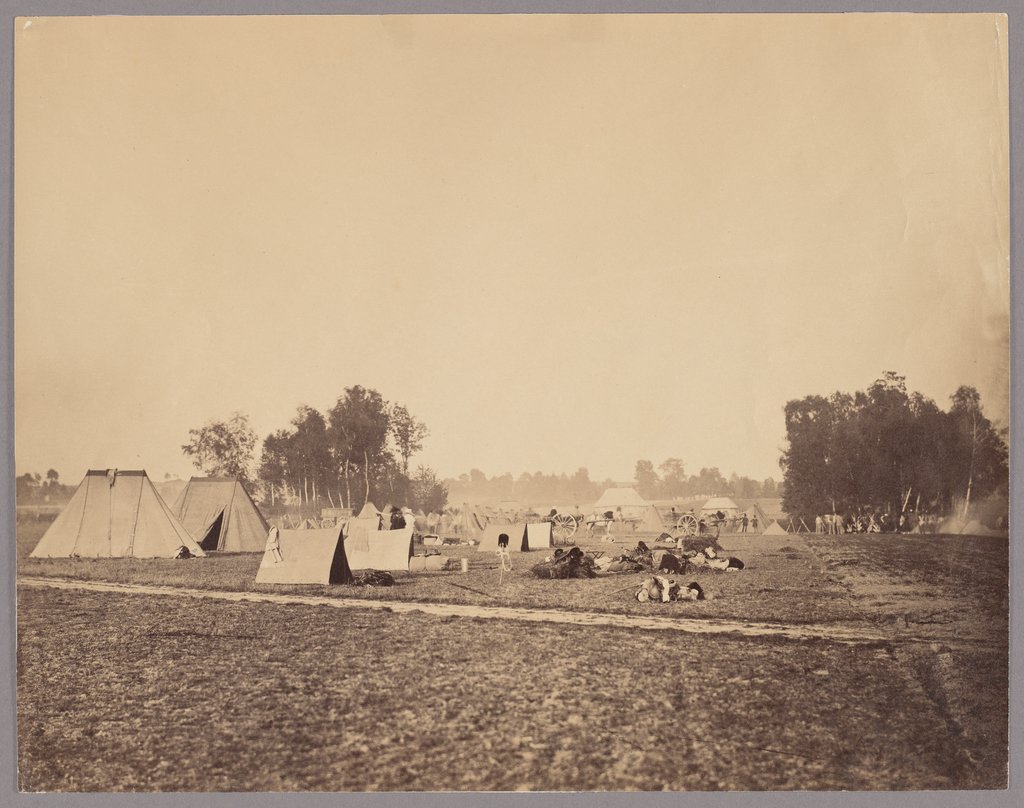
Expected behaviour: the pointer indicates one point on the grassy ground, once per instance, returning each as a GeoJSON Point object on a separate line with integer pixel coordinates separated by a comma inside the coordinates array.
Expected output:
{"type": "Point", "coordinates": [931, 583]}
{"type": "Point", "coordinates": [156, 693]}
{"type": "Point", "coordinates": [267, 697]}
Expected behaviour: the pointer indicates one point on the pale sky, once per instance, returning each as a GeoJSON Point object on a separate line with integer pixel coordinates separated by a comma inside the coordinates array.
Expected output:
{"type": "Point", "coordinates": [560, 241]}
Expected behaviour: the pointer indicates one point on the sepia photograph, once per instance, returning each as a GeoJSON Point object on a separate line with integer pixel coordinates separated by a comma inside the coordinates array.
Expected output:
{"type": "Point", "coordinates": [549, 402]}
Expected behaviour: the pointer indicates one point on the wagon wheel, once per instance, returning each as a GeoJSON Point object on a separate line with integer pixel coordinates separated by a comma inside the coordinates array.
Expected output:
{"type": "Point", "coordinates": [563, 527]}
{"type": "Point", "coordinates": [687, 525]}
{"type": "Point", "coordinates": [327, 521]}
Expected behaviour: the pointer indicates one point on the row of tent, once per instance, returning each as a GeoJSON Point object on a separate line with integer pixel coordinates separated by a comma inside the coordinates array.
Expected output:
{"type": "Point", "coordinates": [115, 514]}
{"type": "Point", "coordinates": [120, 514]}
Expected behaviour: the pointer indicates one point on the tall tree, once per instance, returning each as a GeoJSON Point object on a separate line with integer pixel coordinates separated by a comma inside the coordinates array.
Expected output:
{"type": "Point", "coordinates": [673, 478]}
{"type": "Point", "coordinates": [426, 492]}
{"type": "Point", "coordinates": [978, 452]}
{"type": "Point", "coordinates": [646, 477]}
{"type": "Point", "coordinates": [359, 428]}
{"type": "Point", "coordinates": [408, 433]}
{"type": "Point", "coordinates": [224, 448]}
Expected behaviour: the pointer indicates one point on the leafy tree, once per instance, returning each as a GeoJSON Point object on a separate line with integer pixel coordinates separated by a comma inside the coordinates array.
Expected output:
{"type": "Point", "coordinates": [978, 452]}
{"type": "Point", "coordinates": [673, 478]}
{"type": "Point", "coordinates": [647, 481]}
{"type": "Point", "coordinates": [886, 448]}
{"type": "Point", "coordinates": [408, 434]}
{"type": "Point", "coordinates": [223, 448]}
{"type": "Point", "coordinates": [359, 425]}
{"type": "Point", "coordinates": [426, 492]}
{"type": "Point", "coordinates": [309, 453]}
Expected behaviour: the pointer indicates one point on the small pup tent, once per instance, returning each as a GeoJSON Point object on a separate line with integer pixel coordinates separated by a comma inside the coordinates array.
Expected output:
{"type": "Point", "coordinates": [775, 529]}
{"type": "Point", "coordinates": [517, 541]}
{"type": "Point", "coordinates": [116, 514]}
{"type": "Point", "coordinates": [220, 515]}
{"type": "Point", "coordinates": [304, 557]}
{"type": "Point", "coordinates": [538, 536]}
{"type": "Point", "coordinates": [388, 550]}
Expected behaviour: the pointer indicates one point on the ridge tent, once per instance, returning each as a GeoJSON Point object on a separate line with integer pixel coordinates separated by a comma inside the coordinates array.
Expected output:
{"type": "Point", "coordinates": [115, 514]}
{"type": "Point", "coordinates": [723, 504]}
{"type": "Point", "coordinates": [305, 557]}
{"type": "Point", "coordinates": [516, 538]}
{"type": "Point", "coordinates": [386, 550]}
{"type": "Point", "coordinates": [775, 529]}
{"type": "Point", "coordinates": [538, 536]}
{"type": "Point", "coordinates": [360, 523]}
{"type": "Point", "coordinates": [219, 514]}
{"type": "Point", "coordinates": [623, 498]}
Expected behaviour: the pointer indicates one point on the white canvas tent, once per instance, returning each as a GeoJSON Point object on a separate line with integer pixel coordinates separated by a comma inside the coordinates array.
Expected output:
{"type": "Point", "coordinates": [516, 538]}
{"type": "Point", "coordinates": [623, 498]}
{"type": "Point", "coordinates": [115, 514]}
{"type": "Point", "coordinates": [723, 504]}
{"type": "Point", "coordinates": [470, 526]}
{"type": "Point", "coordinates": [775, 529]}
{"type": "Point", "coordinates": [388, 550]}
{"type": "Point", "coordinates": [220, 515]}
{"type": "Point", "coordinates": [538, 535]}
{"type": "Point", "coordinates": [369, 511]}
{"type": "Point", "coordinates": [306, 557]}
{"type": "Point", "coordinates": [651, 521]}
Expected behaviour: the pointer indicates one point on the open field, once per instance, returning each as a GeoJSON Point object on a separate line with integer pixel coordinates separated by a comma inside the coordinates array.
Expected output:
{"type": "Point", "coordinates": [949, 585]}
{"type": "Point", "coordinates": [157, 693]}
{"type": "Point", "coordinates": [294, 697]}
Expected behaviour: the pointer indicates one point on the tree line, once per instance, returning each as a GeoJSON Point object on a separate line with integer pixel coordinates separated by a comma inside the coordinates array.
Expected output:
{"type": "Point", "coordinates": [673, 482]}
{"type": "Point", "coordinates": [544, 490]}
{"type": "Point", "coordinates": [886, 450]}
{"type": "Point", "coordinates": [356, 452]}
{"type": "Point", "coordinates": [34, 489]}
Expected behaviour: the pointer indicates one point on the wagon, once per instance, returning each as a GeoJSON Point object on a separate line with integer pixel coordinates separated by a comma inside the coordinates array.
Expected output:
{"type": "Point", "coordinates": [689, 525]}
{"type": "Point", "coordinates": [563, 526]}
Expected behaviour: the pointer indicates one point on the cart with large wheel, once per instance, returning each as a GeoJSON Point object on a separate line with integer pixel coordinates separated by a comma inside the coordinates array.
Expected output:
{"type": "Point", "coordinates": [563, 526]}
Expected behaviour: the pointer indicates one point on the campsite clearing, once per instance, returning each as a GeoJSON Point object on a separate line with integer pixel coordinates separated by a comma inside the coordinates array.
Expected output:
{"type": "Point", "coordinates": [277, 700]}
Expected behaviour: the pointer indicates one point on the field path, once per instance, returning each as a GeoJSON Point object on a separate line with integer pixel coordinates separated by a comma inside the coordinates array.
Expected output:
{"type": "Point", "coordinates": [829, 633]}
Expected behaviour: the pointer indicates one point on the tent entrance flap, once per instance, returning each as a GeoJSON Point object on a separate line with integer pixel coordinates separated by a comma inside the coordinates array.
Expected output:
{"type": "Point", "coordinates": [211, 541]}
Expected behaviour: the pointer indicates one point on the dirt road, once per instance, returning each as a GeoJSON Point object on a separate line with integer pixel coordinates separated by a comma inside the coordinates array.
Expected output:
{"type": "Point", "coordinates": [803, 632]}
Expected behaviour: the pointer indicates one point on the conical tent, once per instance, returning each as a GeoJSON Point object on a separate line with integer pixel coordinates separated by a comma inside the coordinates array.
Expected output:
{"type": "Point", "coordinates": [305, 557]}
{"type": "Point", "coordinates": [469, 523]}
{"type": "Point", "coordinates": [369, 511]}
{"type": "Point", "coordinates": [775, 529]}
{"type": "Point", "coordinates": [762, 518]}
{"type": "Point", "coordinates": [220, 515]}
{"type": "Point", "coordinates": [652, 521]}
{"type": "Point", "coordinates": [116, 514]}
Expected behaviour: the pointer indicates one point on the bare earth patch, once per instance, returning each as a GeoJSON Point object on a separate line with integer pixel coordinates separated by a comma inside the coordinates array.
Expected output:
{"type": "Point", "coordinates": [159, 693]}
{"type": "Point", "coordinates": [131, 692]}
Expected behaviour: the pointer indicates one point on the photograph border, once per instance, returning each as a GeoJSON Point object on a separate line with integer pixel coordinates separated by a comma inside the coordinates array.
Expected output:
{"type": "Point", "coordinates": [9, 795]}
